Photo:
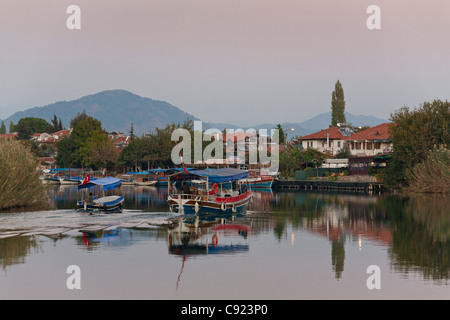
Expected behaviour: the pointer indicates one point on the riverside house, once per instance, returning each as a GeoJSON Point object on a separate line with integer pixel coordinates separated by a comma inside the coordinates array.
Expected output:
{"type": "Point", "coordinates": [368, 142]}
{"type": "Point", "coordinates": [372, 141]}
{"type": "Point", "coordinates": [329, 141]}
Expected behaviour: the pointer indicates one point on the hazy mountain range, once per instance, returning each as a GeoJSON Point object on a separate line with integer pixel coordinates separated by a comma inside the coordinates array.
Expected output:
{"type": "Point", "coordinates": [118, 109]}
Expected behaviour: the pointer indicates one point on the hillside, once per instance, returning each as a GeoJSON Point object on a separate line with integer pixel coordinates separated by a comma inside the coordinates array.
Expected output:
{"type": "Point", "coordinates": [117, 109]}
{"type": "Point", "coordinates": [323, 120]}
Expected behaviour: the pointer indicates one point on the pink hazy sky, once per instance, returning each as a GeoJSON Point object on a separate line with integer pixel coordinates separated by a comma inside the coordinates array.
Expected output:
{"type": "Point", "coordinates": [228, 60]}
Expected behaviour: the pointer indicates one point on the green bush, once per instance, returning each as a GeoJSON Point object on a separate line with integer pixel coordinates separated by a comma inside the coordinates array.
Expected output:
{"type": "Point", "coordinates": [19, 179]}
{"type": "Point", "coordinates": [433, 174]}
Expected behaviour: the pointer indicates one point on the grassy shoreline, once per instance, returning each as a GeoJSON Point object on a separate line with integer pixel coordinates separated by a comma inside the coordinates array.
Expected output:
{"type": "Point", "coordinates": [20, 185]}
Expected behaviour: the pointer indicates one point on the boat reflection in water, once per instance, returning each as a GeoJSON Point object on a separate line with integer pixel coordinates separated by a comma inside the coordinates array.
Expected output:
{"type": "Point", "coordinates": [107, 235]}
{"type": "Point", "coordinates": [192, 236]}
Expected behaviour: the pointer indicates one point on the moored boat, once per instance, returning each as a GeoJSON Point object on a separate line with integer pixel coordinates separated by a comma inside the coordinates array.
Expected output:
{"type": "Point", "coordinates": [104, 203]}
{"type": "Point", "coordinates": [127, 179]}
{"type": "Point", "coordinates": [71, 180]}
{"type": "Point", "coordinates": [198, 197]}
{"type": "Point", "coordinates": [258, 180]}
{"type": "Point", "coordinates": [143, 179]}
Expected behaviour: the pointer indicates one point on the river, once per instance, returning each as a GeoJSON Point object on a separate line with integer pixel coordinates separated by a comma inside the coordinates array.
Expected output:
{"type": "Point", "coordinates": [288, 245]}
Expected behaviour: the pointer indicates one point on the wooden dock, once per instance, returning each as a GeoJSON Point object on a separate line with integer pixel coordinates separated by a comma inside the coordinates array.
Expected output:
{"type": "Point", "coordinates": [370, 187]}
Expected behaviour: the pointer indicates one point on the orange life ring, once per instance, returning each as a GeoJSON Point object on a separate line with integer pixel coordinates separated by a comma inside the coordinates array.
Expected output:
{"type": "Point", "coordinates": [214, 240]}
{"type": "Point", "coordinates": [215, 188]}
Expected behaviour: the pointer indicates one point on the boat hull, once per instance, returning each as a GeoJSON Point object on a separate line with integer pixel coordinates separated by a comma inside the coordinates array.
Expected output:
{"type": "Point", "coordinates": [258, 182]}
{"type": "Point", "coordinates": [145, 183]}
{"type": "Point", "coordinates": [104, 204]}
{"type": "Point", "coordinates": [162, 183]}
{"type": "Point", "coordinates": [198, 205]}
{"type": "Point", "coordinates": [71, 181]}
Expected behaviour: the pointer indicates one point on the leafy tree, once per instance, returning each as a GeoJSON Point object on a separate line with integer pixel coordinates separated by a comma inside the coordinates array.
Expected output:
{"type": "Point", "coordinates": [344, 153]}
{"type": "Point", "coordinates": [337, 105]}
{"type": "Point", "coordinates": [30, 125]}
{"type": "Point", "coordinates": [100, 151]}
{"type": "Point", "coordinates": [415, 134]}
{"type": "Point", "coordinates": [153, 148]}
{"type": "Point", "coordinates": [88, 145]}
{"type": "Point", "coordinates": [292, 159]}
{"type": "Point", "coordinates": [79, 117]}
{"type": "Point", "coordinates": [129, 155]}
{"type": "Point", "coordinates": [2, 128]}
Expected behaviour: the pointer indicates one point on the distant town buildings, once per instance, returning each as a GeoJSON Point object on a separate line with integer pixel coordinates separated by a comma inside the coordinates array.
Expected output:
{"type": "Point", "coordinates": [119, 139]}
{"type": "Point", "coordinates": [364, 145]}
{"type": "Point", "coordinates": [51, 137]}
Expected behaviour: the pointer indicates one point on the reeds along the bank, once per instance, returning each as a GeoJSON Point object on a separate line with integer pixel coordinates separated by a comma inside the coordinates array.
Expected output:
{"type": "Point", "coordinates": [19, 179]}
{"type": "Point", "coordinates": [433, 174]}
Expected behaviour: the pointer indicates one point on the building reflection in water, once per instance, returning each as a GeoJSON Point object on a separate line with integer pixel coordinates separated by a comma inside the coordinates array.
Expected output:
{"type": "Point", "coordinates": [415, 229]}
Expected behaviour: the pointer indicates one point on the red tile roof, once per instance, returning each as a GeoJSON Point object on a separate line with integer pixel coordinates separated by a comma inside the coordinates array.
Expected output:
{"type": "Point", "coordinates": [121, 139]}
{"type": "Point", "coordinates": [8, 135]}
{"type": "Point", "coordinates": [379, 132]}
{"type": "Point", "coordinates": [237, 136]}
{"type": "Point", "coordinates": [322, 135]}
{"type": "Point", "coordinates": [62, 133]}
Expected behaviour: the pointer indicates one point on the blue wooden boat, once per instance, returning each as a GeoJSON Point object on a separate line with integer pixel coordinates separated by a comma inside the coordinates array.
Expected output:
{"type": "Point", "coordinates": [199, 197]}
{"type": "Point", "coordinates": [109, 203]}
{"type": "Point", "coordinates": [161, 175]}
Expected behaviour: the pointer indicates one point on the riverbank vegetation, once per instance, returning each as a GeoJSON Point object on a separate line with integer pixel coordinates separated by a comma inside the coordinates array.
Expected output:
{"type": "Point", "coordinates": [421, 140]}
{"type": "Point", "coordinates": [432, 175]}
{"type": "Point", "coordinates": [152, 149]}
{"type": "Point", "coordinates": [20, 185]}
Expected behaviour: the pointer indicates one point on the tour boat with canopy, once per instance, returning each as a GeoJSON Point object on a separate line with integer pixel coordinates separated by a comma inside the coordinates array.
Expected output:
{"type": "Point", "coordinates": [208, 191]}
{"type": "Point", "coordinates": [106, 203]}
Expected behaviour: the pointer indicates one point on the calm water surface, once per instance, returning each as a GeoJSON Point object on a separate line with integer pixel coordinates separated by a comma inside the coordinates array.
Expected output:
{"type": "Point", "coordinates": [289, 245]}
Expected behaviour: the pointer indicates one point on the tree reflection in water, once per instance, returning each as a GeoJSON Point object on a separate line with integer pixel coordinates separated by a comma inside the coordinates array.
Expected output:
{"type": "Point", "coordinates": [415, 228]}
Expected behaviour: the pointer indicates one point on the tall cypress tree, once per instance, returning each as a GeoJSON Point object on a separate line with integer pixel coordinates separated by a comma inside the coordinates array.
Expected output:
{"type": "Point", "coordinates": [2, 128]}
{"type": "Point", "coordinates": [11, 126]}
{"type": "Point", "coordinates": [337, 105]}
